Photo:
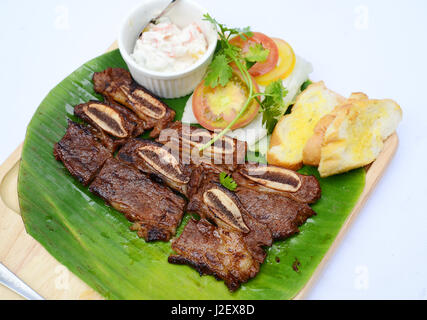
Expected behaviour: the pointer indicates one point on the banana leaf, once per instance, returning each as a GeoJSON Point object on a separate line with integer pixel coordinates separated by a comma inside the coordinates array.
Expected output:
{"type": "Point", "coordinates": [94, 241]}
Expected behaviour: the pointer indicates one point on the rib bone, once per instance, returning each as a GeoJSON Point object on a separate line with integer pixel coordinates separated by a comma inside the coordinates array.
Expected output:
{"type": "Point", "coordinates": [163, 162]}
{"type": "Point", "coordinates": [225, 209]}
{"type": "Point", "coordinates": [144, 103]}
{"type": "Point", "coordinates": [274, 177]}
{"type": "Point", "coordinates": [107, 119]}
{"type": "Point", "coordinates": [198, 138]}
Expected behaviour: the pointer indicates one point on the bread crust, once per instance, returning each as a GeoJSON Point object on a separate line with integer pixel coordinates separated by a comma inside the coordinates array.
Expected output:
{"type": "Point", "coordinates": [313, 147]}
{"type": "Point", "coordinates": [294, 130]}
{"type": "Point", "coordinates": [357, 133]}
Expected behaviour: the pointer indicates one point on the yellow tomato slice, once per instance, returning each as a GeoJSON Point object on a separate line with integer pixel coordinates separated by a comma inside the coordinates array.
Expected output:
{"type": "Point", "coordinates": [285, 66]}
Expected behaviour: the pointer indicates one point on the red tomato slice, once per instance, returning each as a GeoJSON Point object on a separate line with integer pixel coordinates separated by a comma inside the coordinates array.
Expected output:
{"type": "Point", "coordinates": [215, 108]}
{"type": "Point", "coordinates": [259, 68]}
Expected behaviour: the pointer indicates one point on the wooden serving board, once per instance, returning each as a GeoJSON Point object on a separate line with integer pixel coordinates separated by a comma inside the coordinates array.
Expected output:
{"type": "Point", "coordinates": [33, 264]}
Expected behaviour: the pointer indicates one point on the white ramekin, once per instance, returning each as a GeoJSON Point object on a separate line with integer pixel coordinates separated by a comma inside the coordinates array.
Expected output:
{"type": "Point", "coordinates": [166, 85]}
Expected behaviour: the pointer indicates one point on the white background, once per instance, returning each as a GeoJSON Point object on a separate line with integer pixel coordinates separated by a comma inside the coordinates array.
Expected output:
{"type": "Point", "coordinates": [378, 47]}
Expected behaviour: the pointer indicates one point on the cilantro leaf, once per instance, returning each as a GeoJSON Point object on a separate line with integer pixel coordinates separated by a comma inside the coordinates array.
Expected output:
{"type": "Point", "coordinates": [273, 105]}
{"type": "Point", "coordinates": [219, 72]}
{"type": "Point", "coordinates": [227, 181]}
{"type": "Point", "coordinates": [257, 53]}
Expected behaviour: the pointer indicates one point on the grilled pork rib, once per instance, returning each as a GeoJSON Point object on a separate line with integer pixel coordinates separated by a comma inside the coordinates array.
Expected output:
{"type": "Point", "coordinates": [113, 119]}
{"type": "Point", "coordinates": [272, 179]}
{"type": "Point", "coordinates": [282, 215]}
{"type": "Point", "coordinates": [117, 85]}
{"type": "Point", "coordinates": [154, 208]}
{"type": "Point", "coordinates": [215, 251]}
{"type": "Point", "coordinates": [276, 197]}
{"type": "Point", "coordinates": [211, 201]}
{"type": "Point", "coordinates": [278, 211]}
{"type": "Point", "coordinates": [152, 158]}
{"type": "Point", "coordinates": [81, 152]}
{"type": "Point", "coordinates": [187, 140]}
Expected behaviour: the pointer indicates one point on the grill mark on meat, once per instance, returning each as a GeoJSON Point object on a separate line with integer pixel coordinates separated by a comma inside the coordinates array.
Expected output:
{"type": "Point", "coordinates": [155, 209]}
{"type": "Point", "coordinates": [215, 251]}
{"type": "Point", "coordinates": [282, 215]}
{"type": "Point", "coordinates": [81, 152]}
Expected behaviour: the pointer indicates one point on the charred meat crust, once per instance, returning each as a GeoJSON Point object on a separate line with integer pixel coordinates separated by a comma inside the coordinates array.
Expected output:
{"type": "Point", "coordinates": [309, 190]}
{"type": "Point", "coordinates": [282, 215]}
{"type": "Point", "coordinates": [154, 208]}
{"type": "Point", "coordinates": [256, 238]}
{"type": "Point", "coordinates": [215, 251]}
{"type": "Point", "coordinates": [227, 153]}
{"type": "Point", "coordinates": [81, 152]}
{"type": "Point", "coordinates": [153, 158]}
{"type": "Point", "coordinates": [117, 85]}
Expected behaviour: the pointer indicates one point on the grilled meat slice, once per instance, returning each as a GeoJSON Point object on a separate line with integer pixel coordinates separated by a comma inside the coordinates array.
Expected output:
{"type": "Point", "coordinates": [226, 152]}
{"type": "Point", "coordinates": [113, 119]}
{"type": "Point", "coordinates": [152, 158]}
{"type": "Point", "coordinates": [272, 179]}
{"type": "Point", "coordinates": [276, 197]}
{"type": "Point", "coordinates": [81, 152]}
{"type": "Point", "coordinates": [211, 201]}
{"type": "Point", "coordinates": [117, 85]}
{"type": "Point", "coordinates": [215, 251]}
{"type": "Point", "coordinates": [282, 215]}
{"type": "Point", "coordinates": [155, 210]}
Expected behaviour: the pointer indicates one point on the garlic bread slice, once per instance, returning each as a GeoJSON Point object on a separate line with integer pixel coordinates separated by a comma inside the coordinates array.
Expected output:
{"type": "Point", "coordinates": [357, 133]}
{"type": "Point", "coordinates": [312, 149]}
{"type": "Point", "coordinates": [294, 130]}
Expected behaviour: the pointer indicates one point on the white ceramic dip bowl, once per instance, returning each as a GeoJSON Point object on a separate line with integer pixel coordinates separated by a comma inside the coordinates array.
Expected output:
{"type": "Point", "coordinates": [167, 85]}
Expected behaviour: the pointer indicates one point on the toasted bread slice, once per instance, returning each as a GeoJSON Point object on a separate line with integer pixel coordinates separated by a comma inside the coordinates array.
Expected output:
{"type": "Point", "coordinates": [356, 135]}
{"type": "Point", "coordinates": [312, 149]}
{"type": "Point", "coordinates": [293, 130]}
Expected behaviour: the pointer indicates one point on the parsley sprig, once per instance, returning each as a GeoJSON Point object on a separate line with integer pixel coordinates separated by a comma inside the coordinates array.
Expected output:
{"type": "Point", "coordinates": [220, 73]}
{"type": "Point", "coordinates": [227, 181]}
{"type": "Point", "coordinates": [273, 105]}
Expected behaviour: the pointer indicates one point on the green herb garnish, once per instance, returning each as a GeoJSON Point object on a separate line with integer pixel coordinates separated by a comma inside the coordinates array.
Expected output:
{"type": "Point", "coordinates": [257, 53]}
{"type": "Point", "coordinates": [220, 71]}
{"type": "Point", "coordinates": [227, 181]}
{"type": "Point", "coordinates": [273, 105]}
